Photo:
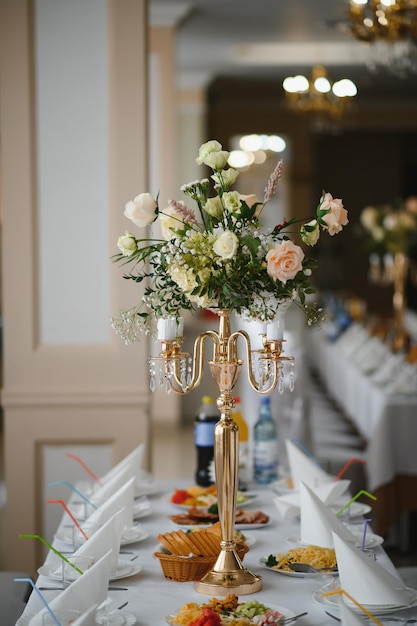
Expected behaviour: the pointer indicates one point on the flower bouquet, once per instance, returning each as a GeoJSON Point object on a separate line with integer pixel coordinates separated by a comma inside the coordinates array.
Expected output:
{"type": "Point", "coordinates": [218, 255]}
{"type": "Point", "coordinates": [390, 228]}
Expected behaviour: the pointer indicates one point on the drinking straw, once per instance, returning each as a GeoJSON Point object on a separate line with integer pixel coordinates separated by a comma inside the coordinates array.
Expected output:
{"type": "Point", "coordinates": [70, 514]}
{"type": "Point", "coordinates": [84, 466]}
{"type": "Point", "coordinates": [354, 459]}
{"type": "Point", "coordinates": [65, 482]}
{"type": "Point", "coordinates": [306, 451]}
{"type": "Point", "coordinates": [61, 556]}
{"type": "Point", "coordinates": [365, 526]}
{"type": "Point", "coordinates": [360, 493]}
{"type": "Point", "coordinates": [362, 608]}
{"type": "Point", "coordinates": [30, 581]}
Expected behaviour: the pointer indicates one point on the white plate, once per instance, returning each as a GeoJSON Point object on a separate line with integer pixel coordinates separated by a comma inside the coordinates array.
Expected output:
{"type": "Point", "coordinates": [118, 618]}
{"type": "Point", "coordinates": [376, 609]}
{"type": "Point", "coordinates": [371, 540]}
{"type": "Point", "coordinates": [296, 574]}
{"type": "Point", "coordinates": [281, 486]}
{"type": "Point", "coordinates": [356, 509]}
{"type": "Point", "coordinates": [125, 569]}
{"type": "Point", "coordinates": [281, 609]}
{"type": "Point", "coordinates": [132, 534]}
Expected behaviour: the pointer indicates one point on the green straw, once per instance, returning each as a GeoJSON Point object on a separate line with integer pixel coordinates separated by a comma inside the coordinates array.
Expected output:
{"type": "Point", "coordinates": [61, 556]}
{"type": "Point", "coordinates": [360, 493]}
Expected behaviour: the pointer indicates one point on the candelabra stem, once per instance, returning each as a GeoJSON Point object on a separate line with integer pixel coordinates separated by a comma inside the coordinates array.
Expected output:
{"type": "Point", "coordinates": [228, 574]}
{"type": "Point", "coordinates": [400, 273]}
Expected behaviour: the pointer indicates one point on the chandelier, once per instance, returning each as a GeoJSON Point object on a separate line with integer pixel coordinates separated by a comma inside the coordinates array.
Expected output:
{"type": "Point", "coordinates": [318, 96]}
{"type": "Point", "coordinates": [390, 27]}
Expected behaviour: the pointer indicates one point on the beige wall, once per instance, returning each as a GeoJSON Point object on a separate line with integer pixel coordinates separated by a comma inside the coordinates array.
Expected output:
{"type": "Point", "coordinates": [65, 394]}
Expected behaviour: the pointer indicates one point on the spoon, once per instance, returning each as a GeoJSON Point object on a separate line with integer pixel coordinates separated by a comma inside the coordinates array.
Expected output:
{"type": "Point", "coordinates": [308, 569]}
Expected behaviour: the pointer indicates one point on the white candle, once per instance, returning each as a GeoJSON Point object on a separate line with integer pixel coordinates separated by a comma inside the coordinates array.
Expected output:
{"type": "Point", "coordinates": [180, 327]}
{"type": "Point", "coordinates": [275, 329]}
{"type": "Point", "coordinates": [167, 328]}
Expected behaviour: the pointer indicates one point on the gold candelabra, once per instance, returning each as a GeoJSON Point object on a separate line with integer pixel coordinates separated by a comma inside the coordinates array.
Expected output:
{"type": "Point", "coordinates": [392, 270]}
{"type": "Point", "coordinates": [182, 372]}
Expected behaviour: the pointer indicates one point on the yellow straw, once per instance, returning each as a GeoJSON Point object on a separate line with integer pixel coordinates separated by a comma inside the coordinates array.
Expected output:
{"type": "Point", "coordinates": [362, 608]}
{"type": "Point", "coordinates": [360, 493]}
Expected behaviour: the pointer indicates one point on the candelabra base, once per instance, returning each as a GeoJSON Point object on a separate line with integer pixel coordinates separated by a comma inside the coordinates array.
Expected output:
{"type": "Point", "coordinates": [229, 576]}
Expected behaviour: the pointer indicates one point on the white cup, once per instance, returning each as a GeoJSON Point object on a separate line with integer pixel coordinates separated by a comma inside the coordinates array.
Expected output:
{"type": "Point", "coordinates": [79, 537]}
{"type": "Point", "coordinates": [74, 567]}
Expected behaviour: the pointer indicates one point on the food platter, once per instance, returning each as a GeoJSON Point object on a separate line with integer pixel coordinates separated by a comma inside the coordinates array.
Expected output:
{"type": "Point", "coordinates": [292, 574]}
{"type": "Point", "coordinates": [287, 614]}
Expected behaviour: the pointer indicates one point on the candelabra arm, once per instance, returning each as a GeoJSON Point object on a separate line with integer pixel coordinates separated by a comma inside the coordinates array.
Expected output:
{"type": "Point", "coordinates": [274, 359]}
{"type": "Point", "coordinates": [198, 365]}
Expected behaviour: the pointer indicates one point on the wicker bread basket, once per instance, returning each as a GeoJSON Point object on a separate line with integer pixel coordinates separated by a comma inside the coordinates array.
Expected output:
{"type": "Point", "coordinates": [183, 569]}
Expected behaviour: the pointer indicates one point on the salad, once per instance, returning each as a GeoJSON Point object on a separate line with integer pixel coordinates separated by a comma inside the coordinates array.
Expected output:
{"type": "Point", "coordinates": [227, 612]}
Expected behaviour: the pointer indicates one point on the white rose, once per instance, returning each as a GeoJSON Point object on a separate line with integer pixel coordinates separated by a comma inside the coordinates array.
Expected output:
{"type": "Point", "coordinates": [214, 207]}
{"type": "Point", "coordinates": [206, 148]}
{"type": "Point", "coordinates": [216, 160]}
{"type": "Point", "coordinates": [127, 244]}
{"type": "Point", "coordinates": [169, 218]}
{"type": "Point", "coordinates": [231, 201]}
{"type": "Point", "coordinates": [226, 178]}
{"type": "Point", "coordinates": [142, 210]}
{"type": "Point", "coordinates": [226, 245]}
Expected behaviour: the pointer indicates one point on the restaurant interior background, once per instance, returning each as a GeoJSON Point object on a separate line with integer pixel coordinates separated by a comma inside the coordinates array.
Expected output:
{"type": "Point", "coordinates": [227, 60]}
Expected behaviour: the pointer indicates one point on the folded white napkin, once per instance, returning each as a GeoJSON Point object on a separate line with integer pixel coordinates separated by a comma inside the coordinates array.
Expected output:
{"type": "Point", "coordinates": [88, 618]}
{"type": "Point", "coordinates": [366, 580]}
{"type": "Point", "coordinates": [123, 498]}
{"type": "Point", "coordinates": [304, 468]}
{"type": "Point", "coordinates": [90, 588]}
{"type": "Point", "coordinates": [290, 503]}
{"type": "Point", "coordinates": [106, 538]}
{"type": "Point", "coordinates": [317, 521]}
{"type": "Point", "coordinates": [349, 617]}
{"type": "Point", "coordinates": [109, 488]}
{"type": "Point", "coordinates": [133, 460]}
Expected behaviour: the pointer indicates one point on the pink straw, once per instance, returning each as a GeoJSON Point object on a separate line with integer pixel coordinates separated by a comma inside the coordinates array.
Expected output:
{"type": "Point", "coordinates": [84, 466]}
{"type": "Point", "coordinates": [365, 526]}
{"type": "Point", "coordinates": [360, 493]}
{"type": "Point", "coordinates": [30, 581]}
{"type": "Point", "coordinates": [348, 464]}
{"type": "Point", "coordinates": [69, 513]}
{"type": "Point", "coordinates": [61, 556]}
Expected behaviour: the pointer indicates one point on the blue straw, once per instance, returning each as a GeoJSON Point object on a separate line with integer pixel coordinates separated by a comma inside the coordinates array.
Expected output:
{"type": "Point", "coordinates": [365, 526]}
{"type": "Point", "coordinates": [65, 482]}
{"type": "Point", "coordinates": [30, 581]}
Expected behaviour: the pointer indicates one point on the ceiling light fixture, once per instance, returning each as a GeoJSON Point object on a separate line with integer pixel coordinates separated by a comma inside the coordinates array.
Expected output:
{"type": "Point", "coordinates": [390, 27]}
{"type": "Point", "coordinates": [318, 96]}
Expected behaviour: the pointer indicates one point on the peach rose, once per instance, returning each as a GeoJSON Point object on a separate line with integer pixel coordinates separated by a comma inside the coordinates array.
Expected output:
{"type": "Point", "coordinates": [336, 216]}
{"type": "Point", "coordinates": [284, 261]}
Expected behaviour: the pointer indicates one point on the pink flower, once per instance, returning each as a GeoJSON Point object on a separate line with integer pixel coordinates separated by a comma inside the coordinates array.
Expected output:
{"type": "Point", "coordinates": [336, 216]}
{"type": "Point", "coordinates": [284, 261]}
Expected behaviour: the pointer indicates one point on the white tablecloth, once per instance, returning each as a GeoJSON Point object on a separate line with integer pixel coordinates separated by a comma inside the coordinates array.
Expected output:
{"type": "Point", "coordinates": [388, 422]}
{"type": "Point", "coordinates": [150, 596]}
